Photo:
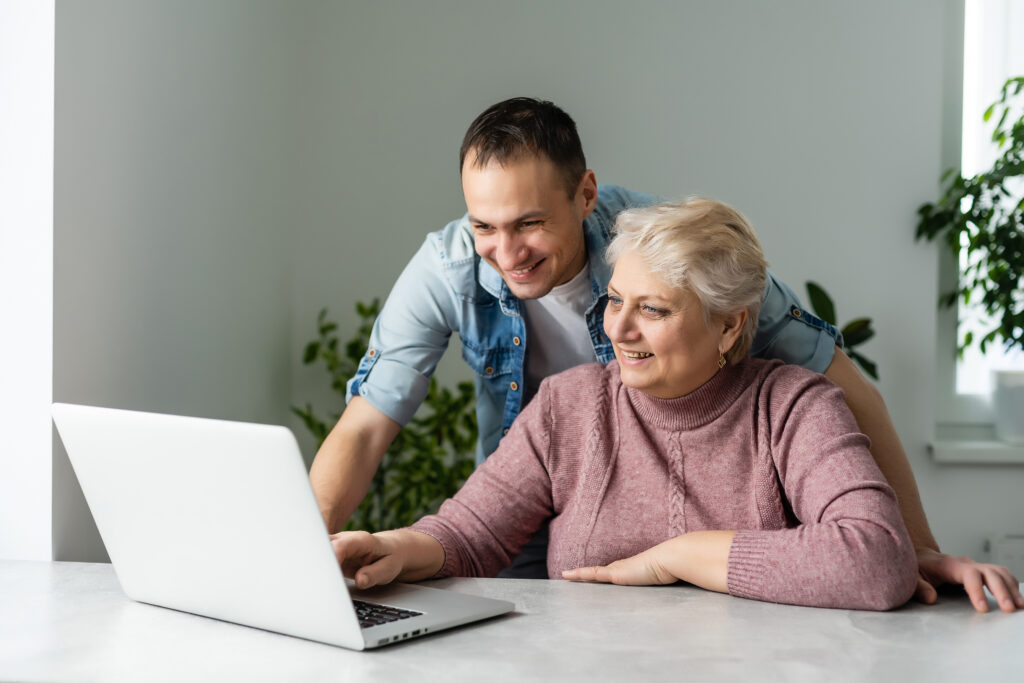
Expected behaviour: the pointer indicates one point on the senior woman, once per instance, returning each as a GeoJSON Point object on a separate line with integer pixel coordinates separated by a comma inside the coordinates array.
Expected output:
{"type": "Point", "coordinates": [683, 459]}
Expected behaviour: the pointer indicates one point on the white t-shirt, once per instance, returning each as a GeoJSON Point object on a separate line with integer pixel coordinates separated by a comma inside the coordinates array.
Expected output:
{"type": "Point", "coordinates": [556, 331]}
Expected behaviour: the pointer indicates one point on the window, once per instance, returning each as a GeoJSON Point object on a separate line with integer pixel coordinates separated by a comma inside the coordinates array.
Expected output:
{"type": "Point", "coordinates": [964, 431]}
{"type": "Point", "coordinates": [993, 52]}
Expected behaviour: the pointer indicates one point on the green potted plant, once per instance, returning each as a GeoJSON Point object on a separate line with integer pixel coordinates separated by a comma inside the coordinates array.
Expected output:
{"type": "Point", "coordinates": [981, 218]}
{"type": "Point", "coordinates": [855, 332]}
{"type": "Point", "coordinates": [431, 457]}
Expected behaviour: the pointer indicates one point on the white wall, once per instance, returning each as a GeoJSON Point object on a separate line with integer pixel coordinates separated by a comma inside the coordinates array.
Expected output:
{"type": "Point", "coordinates": [175, 217]}
{"type": "Point", "coordinates": [224, 172]}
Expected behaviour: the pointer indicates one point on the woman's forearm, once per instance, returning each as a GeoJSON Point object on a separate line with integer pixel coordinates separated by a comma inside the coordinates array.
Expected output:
{"type": "Point", "coordinates": [699, 557]}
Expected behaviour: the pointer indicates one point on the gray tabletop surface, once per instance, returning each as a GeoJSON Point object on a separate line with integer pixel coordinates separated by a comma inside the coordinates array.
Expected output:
{"type": "Point", "coordinates": [66, 621]}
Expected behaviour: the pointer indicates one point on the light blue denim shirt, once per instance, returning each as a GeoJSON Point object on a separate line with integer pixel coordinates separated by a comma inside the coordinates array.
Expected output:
{"type": "Point", "coordinates": [447, 288]}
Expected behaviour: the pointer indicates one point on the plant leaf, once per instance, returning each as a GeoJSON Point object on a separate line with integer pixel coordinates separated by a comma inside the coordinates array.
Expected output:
{"type": "Point", "coordinates": [821, 303]}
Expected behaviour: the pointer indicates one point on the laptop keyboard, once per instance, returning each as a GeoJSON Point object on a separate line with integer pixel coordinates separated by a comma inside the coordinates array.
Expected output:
{"type": "Point", "coordinates": [374, 615]}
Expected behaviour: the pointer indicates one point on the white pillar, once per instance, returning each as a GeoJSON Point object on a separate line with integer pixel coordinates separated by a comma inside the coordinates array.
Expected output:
{"type": "Point", "coordinates": [26, 277]}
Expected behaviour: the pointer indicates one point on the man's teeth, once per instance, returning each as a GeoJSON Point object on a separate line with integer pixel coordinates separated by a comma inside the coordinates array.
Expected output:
{"type": "Point", "coordinates": [636, 354]}
{"type": "Point", "coordinates": [523, 271]}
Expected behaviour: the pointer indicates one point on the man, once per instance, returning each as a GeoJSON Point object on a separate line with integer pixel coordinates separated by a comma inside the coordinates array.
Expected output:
{"type": "Point", "coordinates": [522, 279]}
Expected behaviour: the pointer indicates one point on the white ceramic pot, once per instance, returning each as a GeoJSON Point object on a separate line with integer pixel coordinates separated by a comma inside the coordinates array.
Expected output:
{"type": "Point", "coordinates": [1008, 402]}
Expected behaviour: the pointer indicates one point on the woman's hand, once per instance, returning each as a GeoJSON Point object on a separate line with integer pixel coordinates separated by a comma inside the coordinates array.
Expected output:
{"type": "Point", "coordinates": [700, 557]}
{"type": "Point", "coordinates": [936, 569]}
{"type": "Point", "coordinates": [377, 559]}
{"type": "Point", "coordinates": [645, 569]}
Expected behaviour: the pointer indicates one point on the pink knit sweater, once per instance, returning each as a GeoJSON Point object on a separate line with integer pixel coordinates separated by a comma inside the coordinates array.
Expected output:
{"type": "Point", "coordinates": [767, 449]}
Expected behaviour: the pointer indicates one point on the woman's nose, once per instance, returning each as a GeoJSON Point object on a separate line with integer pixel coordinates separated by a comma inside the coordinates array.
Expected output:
{"type": "Point", "coordinates": [621, 327]}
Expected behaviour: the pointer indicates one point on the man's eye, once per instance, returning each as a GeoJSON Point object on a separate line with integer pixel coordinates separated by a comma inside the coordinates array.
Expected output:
{"type": "Point", "coordinates": [530, 224]}
{"type": "Point", "coordinates": [482, 228]}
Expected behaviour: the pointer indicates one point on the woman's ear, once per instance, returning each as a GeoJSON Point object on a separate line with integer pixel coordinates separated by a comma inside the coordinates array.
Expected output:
{"type": "Point", "coordinates": [730, 326]}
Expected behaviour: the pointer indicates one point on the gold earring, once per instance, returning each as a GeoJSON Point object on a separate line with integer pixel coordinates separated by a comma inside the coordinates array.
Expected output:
{"type": "Point", "coordinates": [721, 361]}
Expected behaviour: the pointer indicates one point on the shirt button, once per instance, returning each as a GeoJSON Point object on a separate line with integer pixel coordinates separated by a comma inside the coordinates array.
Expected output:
{"type": "Point", "coordinates": [488, 370]}
{"type": "Point", "coordinates": [514, 386]}
{"type": "Point", "coordinates": [517, 341]}
{"type": "Point", "coordinates": [797, 312]}
{"type": "Point", "coordinates": [372, 353]}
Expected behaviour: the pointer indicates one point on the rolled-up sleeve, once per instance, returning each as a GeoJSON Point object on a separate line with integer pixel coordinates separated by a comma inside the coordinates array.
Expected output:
{"type": "Point", "coordinates": [789, 332]}
{"type": "Point", "coordinates": [408, 339]}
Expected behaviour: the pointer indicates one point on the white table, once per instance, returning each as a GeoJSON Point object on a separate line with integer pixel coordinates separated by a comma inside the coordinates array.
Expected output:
{"type": "Point", "coordinates": [71, 622]}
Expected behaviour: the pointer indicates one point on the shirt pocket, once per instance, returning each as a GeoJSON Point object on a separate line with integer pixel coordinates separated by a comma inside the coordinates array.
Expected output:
{"type": "Point", "coordinates": [490, 365]}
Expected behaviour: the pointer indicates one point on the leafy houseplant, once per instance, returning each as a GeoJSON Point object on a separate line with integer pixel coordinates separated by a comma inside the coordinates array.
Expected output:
{"type": "Point", "coordinates": [855, 332]}
{"type": "Point", "coordinates": [982, 219]}
{"type": "Point", "coordinates": [429, 459]}
{"type": "Point", "coordinates": [983, 215]}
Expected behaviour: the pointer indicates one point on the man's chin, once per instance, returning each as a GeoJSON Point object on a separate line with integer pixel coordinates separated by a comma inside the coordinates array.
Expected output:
{"type": "Point", "coordinates": [529, 290]}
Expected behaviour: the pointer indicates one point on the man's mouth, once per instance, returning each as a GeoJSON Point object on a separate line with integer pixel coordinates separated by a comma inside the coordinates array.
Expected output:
{"type": "Point", "coordinates": [524, 271]}
{"type": "Point", "coordinates": [523, 275]}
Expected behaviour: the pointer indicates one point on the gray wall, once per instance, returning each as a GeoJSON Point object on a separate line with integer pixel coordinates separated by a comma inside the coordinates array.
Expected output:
{"type": "Point", "coordinates": [223, 173]}
{"type": "Point", "coordinates": [174, 224]}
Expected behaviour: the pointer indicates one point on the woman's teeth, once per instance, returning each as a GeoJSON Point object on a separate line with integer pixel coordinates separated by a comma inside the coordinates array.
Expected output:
{"type": "Point", "coordinates": [636, 355]}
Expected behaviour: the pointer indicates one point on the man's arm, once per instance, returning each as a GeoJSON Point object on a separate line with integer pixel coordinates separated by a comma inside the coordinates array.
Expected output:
{"type": "Point", "coordinates": [935, 568]}
{"type": "Point", "coordinates": [349, 457]}
{"type": "Point", "coordinates": [868, 406]}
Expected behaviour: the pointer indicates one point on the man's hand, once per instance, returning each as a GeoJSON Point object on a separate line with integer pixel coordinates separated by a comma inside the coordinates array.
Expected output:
{"type": "Point", "coordinates": [377, 559]}
{"type": "Point", "coordinates": [936, 569]}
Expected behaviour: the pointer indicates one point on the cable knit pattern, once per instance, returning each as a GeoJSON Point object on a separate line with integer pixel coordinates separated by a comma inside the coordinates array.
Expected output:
{"type": "Point", "coordinates": [767, 449]}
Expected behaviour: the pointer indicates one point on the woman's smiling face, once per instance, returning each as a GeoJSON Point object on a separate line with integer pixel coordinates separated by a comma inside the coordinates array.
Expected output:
{"type": "Point", "coordinates": [662, 343]}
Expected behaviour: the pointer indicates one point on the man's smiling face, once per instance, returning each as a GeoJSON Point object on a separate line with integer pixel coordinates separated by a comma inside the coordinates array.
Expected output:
{"type": "Point", "coordinates": [524, 223]}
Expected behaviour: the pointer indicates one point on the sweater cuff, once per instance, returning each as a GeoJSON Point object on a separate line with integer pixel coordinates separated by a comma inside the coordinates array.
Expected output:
{"type": "Point", "coordinates": [746, 577]}
{"type": "Point", "coordinates": [450, 566]}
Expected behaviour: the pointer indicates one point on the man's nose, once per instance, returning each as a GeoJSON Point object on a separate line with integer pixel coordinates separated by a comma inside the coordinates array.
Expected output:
{"type": "Point", "coordinates": [510, 249]}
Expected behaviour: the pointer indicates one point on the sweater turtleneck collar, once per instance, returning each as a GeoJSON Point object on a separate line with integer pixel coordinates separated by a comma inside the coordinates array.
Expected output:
{"type": "Point", "coordinates": [697, 408]}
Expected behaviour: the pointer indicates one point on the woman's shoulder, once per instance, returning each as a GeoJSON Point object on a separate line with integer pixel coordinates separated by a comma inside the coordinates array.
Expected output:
{"type": "Point", "coordinates": [785, 382]}
{"type": "Point", "coordinates": [790, 394]}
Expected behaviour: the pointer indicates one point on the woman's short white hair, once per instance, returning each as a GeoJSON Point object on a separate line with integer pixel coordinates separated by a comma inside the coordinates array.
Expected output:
{"type": "Point", "coordinates": [704, 246]}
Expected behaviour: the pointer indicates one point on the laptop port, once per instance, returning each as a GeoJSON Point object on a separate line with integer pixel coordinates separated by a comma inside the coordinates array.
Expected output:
{"type": "Point", "coordinates": [416, 632]}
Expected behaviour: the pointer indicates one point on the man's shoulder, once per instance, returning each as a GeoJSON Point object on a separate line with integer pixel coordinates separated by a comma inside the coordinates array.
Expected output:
{"type": "Point", "coordinates": [611, 201]}
{"type": "Point", "coordinates": [454, 242]}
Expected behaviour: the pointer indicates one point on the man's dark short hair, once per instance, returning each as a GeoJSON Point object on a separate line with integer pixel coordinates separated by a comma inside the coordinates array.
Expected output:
{"type": "Point", "coordinates": [508, 130]}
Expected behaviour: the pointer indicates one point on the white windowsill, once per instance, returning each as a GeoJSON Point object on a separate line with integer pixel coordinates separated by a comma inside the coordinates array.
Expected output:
{"type": "Point", "coordinates": [973, 444]}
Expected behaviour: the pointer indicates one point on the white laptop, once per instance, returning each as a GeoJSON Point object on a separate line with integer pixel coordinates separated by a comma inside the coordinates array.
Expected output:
{"type": "Point", "coordinates": [218, 518]}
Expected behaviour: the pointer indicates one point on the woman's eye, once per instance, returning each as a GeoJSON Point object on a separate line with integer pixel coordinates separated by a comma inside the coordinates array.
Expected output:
{"type": "Point", "coordinates": [652, 311]}
{"type": "Point", "coordinates": [615, 301]}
